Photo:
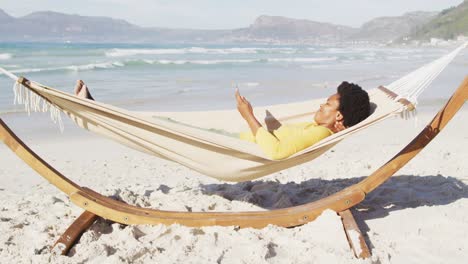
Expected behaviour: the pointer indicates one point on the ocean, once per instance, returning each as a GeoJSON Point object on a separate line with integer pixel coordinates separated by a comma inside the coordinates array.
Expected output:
{"type": "Point", "coordinates": [194, 77]}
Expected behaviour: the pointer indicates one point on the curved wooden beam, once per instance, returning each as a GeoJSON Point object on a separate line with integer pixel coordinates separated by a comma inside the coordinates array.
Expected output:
{"type": "Point", "coordinates": [128, 214]}
{"type": "Point", "coordinates": [287, 217]}
{"type": "Point", "coordinates": [420, 141]}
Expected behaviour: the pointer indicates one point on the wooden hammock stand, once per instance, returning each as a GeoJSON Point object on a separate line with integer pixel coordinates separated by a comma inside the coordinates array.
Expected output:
{"type": "Point", "coordinates": [96, 205]}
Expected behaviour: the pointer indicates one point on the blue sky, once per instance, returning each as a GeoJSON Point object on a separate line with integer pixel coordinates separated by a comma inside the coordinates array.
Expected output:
{"type": "Point", "coordinates": [224, 14]}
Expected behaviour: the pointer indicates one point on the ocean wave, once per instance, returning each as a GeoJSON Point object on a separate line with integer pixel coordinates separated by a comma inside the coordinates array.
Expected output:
{"type": "Point", "coordinates": [318, 59]}
{"type": "Point", "coordinates": [184, 62]}
{"type": "Point", "coordinates": [162, 62]}
{"type": "Point", "coordinates": [250, 84]}
{"type": "Point", "coordinates": [231, 61]}
{"type": "Point", "coordinates": [85, 67]}
{"type": "Point", "coordinates": [336, 51]}
{"type": "Point", "coordinates": [118, 64]}
{"type": "Point", "coordinates": [10, 66]}
{"type": "Point", "coordinates": [5, 56]}
{"type": "Point", "coordinates": [196, 50]}
{"type": "Point", "coordinates": [245, 84]}
{"type": "Point", "coordinates": [184, 90]}
{"type": "Point", "coordinates": [206, 62]}
{"type": "Point", "coordinates": [93, 66]}
{"type": "Point", "coordinates": [398, 57]}
{"type": "Point", "coordinates": [371, 78]}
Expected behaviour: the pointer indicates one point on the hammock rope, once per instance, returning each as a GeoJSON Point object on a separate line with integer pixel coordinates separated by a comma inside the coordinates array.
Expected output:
{"type": "Point", "coordinates": [413, 84]}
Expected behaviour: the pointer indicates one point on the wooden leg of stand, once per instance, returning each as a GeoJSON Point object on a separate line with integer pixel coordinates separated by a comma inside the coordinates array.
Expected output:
{"type": "Point", "coordinates": [354, 235]}
{"type": "Point", "coordinates": [74, 232]}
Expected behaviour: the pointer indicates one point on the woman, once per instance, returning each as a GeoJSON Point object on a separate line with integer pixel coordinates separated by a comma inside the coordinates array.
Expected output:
{"type": "Point", "coordinates": [349, 106]}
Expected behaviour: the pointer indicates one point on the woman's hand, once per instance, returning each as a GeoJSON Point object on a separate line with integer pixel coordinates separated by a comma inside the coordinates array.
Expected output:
{"type": "Point", "coordinates": [245, 109]}
{"type": "Point", "coordinates": [339, 126]}
{"type": "Point", "coordinates": [243, 106]}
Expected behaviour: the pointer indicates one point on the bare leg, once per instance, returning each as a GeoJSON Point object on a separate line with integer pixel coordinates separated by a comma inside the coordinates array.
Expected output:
{"type": "Point", "coordinates": [81, 90]}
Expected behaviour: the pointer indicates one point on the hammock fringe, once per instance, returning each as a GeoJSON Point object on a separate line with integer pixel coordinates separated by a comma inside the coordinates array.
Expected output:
{"type": "Point", "coordinates": [34, 103]}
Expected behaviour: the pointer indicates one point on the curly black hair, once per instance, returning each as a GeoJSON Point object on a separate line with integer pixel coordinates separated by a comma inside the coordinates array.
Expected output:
{"type": "Point", "coordinates": [354, 103]}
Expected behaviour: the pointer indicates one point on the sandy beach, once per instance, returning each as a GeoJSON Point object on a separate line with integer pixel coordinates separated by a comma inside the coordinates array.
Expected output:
{"type": "Point", "coordinates": [168, 76]}
{"type": "Point", "coordinates": [419, 215]}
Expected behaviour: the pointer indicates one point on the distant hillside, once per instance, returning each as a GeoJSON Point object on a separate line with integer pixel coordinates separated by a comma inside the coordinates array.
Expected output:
{"type": "Point", "coordinates": [449, 24]}
{"type": "Point", "coordinates": [277, 28]}
{"type": "Point", "coordinates": [5, 18]}
{"type": "Point", "coordinates": [51, 26]}
{"type": "Point", "coordinates": [385, 29]}
{"type": "Point", "coordinates": [57, 27]}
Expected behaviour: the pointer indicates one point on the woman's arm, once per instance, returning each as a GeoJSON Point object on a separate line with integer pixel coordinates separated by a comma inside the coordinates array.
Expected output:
{"type": "Point", "coordinates": [245, 109]}
{"type": "Point", "coordinates": [286, 141]}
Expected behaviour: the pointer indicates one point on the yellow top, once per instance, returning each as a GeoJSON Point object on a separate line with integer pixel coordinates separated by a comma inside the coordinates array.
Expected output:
{"type": "Point", "coordinates": [287, 139]}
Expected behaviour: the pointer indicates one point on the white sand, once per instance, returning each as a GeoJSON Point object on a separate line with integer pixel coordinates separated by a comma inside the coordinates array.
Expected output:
{"type": "Point", "coordinates": [419, 216]}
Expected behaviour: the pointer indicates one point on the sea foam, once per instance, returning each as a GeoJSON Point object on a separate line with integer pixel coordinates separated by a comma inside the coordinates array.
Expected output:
{"type": "Point", "coordinates": [85, 67]}
{"type": "Point", "coordinates": [195, 50]}
{"type": "Point", "coordinates": [318, 59]}
{"type": "Point", "coordinates": [5, 56]}
{"type": "Point", "coordinates": [200, 62]}
{"type": "Point", "coordinates": [142, 62]}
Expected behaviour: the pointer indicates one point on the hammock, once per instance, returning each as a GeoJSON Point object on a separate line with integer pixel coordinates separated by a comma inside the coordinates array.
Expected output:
{"type": "Point", "coordinates": [188, 138]}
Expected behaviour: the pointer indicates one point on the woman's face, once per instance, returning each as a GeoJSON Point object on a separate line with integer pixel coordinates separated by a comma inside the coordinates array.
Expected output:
{"type": "Point", "coordinates": [328, 113]}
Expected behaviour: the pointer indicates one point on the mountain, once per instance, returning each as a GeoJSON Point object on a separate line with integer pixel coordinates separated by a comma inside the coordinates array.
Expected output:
{"type": "Point", "coordinates": [5, 18]}
{"type": "Point", "coordinates": [386, 29]}
{"type": "Point", "coordinates": [448, 24]}
{"type": "Point", "coordinates": [277, 29]}
{"type": "Point", "coordinates": [52, 26]}
{"type": "Point", "coordinates": [57, 27]}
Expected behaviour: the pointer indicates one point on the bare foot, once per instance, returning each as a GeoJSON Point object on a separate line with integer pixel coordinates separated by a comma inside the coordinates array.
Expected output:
{"type": "Point", "coordinates": [79, 85]}
{"type": "Point", "coordinates": [81, 90]}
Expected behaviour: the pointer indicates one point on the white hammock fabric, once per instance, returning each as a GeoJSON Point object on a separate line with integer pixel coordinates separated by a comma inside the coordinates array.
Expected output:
{"type": "Point", "coordinates": [188, 138]}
